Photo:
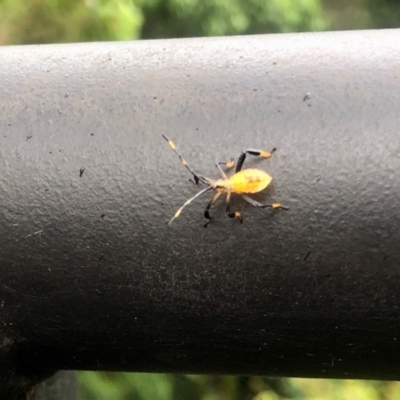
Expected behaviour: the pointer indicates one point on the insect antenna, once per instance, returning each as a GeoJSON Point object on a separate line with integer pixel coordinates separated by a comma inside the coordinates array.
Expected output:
{"type": "Point", "coordinates": [187, 202]}
{"type": "Point", "coordinates": [196, 177]}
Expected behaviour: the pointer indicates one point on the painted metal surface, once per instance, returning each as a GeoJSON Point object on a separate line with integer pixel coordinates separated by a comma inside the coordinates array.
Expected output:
{"type": "Point", "coordinates": [91, 277]}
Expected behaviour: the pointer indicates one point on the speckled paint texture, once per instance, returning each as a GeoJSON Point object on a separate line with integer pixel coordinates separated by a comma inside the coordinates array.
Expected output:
{"type": "Point", "coordinates": [91, 277]}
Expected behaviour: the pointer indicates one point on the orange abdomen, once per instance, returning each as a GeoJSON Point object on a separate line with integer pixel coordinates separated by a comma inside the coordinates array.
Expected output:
{"type": "Point", "coordinates": [249, 181]}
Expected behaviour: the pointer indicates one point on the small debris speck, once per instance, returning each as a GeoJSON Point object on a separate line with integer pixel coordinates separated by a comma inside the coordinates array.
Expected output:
{"type": "Point", "coordinates": [35, 233]}
{"type": "Point", "coordinates": [307, 97]}
{"type": "Point", "coordinates": [92, 134]}
{"type": "Point", "coordinates": [29, 137]}
{"type": "Point", "coordinates": [307, 255]}
{"type": "Point", "coordinates": [103, 215]}
{"type": "Point", "coordinates": [81, 171]}
{"type": "Point", "coordinates": [101, 257]}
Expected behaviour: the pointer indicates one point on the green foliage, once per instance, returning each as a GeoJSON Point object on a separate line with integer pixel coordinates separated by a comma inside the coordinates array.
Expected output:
{"type": "Point", "coordinates": [56, 21]}
{"type": "Point", "coordinates": [331, 389]}
{"type": "Point", "coordinates": [123, 386]}
{"type": "Point", "coordinates": [118, 386]}
{"type": "Point", "coordinates": [384, 14]}
{"type": "Point", "coordinates": [178, 18]}
{"type": "Point", "coordinates": [134, 386]}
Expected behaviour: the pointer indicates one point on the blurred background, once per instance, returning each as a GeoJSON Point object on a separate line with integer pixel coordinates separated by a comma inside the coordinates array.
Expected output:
{"type": "Point", "coordinates": [57, 21]}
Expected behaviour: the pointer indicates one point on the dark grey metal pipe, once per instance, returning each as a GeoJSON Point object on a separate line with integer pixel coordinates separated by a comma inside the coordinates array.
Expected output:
{"type": "Point", "coordinates": [92, 278]}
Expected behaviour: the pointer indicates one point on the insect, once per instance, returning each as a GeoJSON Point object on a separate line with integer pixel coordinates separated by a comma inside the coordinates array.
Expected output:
{"type": "Point", "coordinates": [242, 182]}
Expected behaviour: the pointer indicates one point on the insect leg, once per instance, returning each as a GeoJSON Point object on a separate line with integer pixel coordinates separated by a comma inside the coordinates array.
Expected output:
{"type": "Point", "coordinates": [207, 210]}
{"type": "Point", "coordinates": [230, 214]}
{"type": "Point", "coordinates": [197, 178]}
{"type": "Point", "coordinates": [228, 164]}
{"type": "Point", "coordinates": [187, 202]}
{"type": "Point", "coordinates": [257, 204]}
{"type": "Point", "coordinates": [253, 152]}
